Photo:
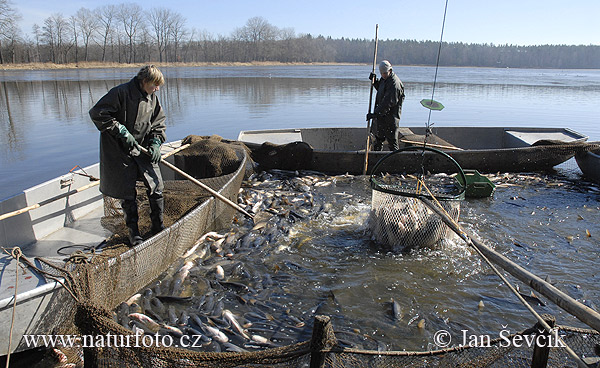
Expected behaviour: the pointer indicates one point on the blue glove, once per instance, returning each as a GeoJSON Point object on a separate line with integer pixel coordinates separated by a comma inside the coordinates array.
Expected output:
{"type": "Point", "coordinates": [126, 137]}
{"type": "Point", "coordinates": [154, 149]}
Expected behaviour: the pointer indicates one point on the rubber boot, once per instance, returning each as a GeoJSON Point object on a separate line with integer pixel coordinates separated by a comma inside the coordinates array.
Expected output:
{"type": "Point", "coordinates": [157, 208]}
{"type": "Point", "coordinates": [131, 221]}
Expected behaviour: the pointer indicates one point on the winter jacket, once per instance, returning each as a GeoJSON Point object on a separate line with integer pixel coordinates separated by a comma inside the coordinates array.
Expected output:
{"type": "Point", "coordinates": [143, 117]}
{"type": "Point", "coordinates": [388, 102]}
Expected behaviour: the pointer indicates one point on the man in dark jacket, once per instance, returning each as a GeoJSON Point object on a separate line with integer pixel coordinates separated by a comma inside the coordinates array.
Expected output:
{"type": "Point", "coordinates": [128, 116]}
{"type": "Point", "coordinates": [388, 107]}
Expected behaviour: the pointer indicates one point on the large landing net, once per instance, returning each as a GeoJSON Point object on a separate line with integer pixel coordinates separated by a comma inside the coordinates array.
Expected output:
{"type": "Point", "coordinates": [399, 219]}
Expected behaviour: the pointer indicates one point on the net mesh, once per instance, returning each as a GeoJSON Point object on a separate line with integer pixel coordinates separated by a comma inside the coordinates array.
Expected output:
{"type": "Point", "coordinates": [403, 223]}
{"type": "Point", "coordinates": [399, 219]}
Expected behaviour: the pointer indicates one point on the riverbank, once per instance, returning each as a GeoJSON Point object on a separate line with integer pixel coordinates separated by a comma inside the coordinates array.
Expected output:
{"type": "Point", "coordinates": [101, 65]}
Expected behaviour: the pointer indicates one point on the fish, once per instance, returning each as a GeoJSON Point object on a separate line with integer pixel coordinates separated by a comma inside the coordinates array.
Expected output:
{"type": "Point", "coordinates": [173, 298]}
{"type": "Point", "coordinates": [532, 298]}
{"type": "Point", "coordinates": [180, 277]}
{"type": "Point", "coordinates": [157, 305]}
{"type": "Point", "coordinates": [134, 299]}
{"type": "Point", "coordinates": [172, 315]}
{"type": "Point", "coordinates": [196, 319]}
{"type": "Point", "coordinates": [135, 308]}
{"type": "Point", "coordinates": [171, 330]}
{"type": "Point", "coordinates": [215, 333]}
{"type": "Point", "coordinates": [145, 321]}
{"type": "Point", "coordinates": [396, 310]}
{"type": "Point", "coordinates": [229, 317]}
{"type": "Point", "coordinates": [234, 348]}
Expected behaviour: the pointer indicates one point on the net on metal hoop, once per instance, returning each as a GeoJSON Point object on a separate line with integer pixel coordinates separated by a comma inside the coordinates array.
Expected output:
{"type": "Point", "coordinates": [399, 219]}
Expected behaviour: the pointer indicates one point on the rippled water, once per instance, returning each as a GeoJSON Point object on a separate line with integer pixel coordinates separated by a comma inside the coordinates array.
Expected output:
{"type": "Point", "coordinates": [326, 263]}
{"type": "Point", "coordinates": [333, 264]}
{"type": "Point", "coordinates": [45, 129]}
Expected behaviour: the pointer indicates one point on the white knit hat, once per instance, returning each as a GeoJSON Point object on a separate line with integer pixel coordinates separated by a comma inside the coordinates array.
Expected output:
{"type": "Point", "coordinates": [385, 66]}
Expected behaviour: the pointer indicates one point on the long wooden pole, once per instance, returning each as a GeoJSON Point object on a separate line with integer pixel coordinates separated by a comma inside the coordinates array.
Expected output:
{"type": "Point", "coordinates": [72, 192]}
{"type": "Point", "coordinates": [584, 313]}
{"type": "Point", "coordinates": [200, 184]}
{"type": "Point", "coordinates": [370, 104]}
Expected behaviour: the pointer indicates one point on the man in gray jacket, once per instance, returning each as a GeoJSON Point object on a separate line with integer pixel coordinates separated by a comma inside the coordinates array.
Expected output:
{"type": "Point", "coordinates": [130, 115]}
{"type": "Point", "coordinates": [388, 107]}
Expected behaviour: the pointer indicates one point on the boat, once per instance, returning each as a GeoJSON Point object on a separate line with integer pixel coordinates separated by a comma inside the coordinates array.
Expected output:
{"type": "Point", "coordinates": [485, 149]}
{"type": "Point", "coordinates": [62, 217]}
{"type": "Point", "coordinates": [589, 163]}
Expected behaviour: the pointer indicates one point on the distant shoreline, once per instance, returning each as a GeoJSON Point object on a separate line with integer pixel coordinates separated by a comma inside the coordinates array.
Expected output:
{"type": "Point", "coordinates": [100, 65]}
{"type": "Point", "coordinates": [108, 65]}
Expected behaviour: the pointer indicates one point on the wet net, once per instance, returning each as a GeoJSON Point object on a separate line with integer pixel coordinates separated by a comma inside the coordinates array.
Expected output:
{"type": "Point", "coordinates": [325, 350]}
{"type": "Point", "coordinates": [399, 219]}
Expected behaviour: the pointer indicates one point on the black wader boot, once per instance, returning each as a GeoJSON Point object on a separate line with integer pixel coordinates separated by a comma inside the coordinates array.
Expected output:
{"type": "Point", "coordinates": [157, 207]}
{"type": "Point", "coordinates": [131, 220]}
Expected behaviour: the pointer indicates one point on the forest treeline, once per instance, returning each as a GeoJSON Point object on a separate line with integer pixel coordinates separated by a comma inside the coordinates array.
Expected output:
{"type": "Point", "coordinates": [126, 33]}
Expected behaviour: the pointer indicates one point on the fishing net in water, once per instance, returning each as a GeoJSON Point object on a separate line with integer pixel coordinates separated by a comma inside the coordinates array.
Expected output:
{"type": "Point", "coordinates": [325, 350]}
{"type": "Point", "coordinates": [399, 219]}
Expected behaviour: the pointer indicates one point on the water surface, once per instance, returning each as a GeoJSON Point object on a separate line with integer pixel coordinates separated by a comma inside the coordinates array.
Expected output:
{"type": "Point", "coordinates": [45, 129]}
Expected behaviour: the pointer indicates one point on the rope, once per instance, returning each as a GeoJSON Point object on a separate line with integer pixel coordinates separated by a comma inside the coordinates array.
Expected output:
{"type": "Point", "coordinates": [46, 274]}
{"type": "Point", "coordinates": [437, 64]}
{"type": "Point", "coordinates": [16, 253]}
{"type": "Point", "coordinates": [466, 238]}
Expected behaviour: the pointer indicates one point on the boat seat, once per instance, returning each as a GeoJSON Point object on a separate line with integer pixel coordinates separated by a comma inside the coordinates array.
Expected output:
{"type": "Point", "coordinates": [407, 138]}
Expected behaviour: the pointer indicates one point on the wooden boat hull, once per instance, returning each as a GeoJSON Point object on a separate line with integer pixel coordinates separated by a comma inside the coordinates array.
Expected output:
{"type": "Point", "coordinates": [589, 163]}
{"type": "Point", "coordinates": [45, 307]}
{"type": "Point", "coordinates": [488, 150]}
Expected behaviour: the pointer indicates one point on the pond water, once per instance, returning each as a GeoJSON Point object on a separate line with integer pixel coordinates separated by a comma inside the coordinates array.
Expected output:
{"type": "Point", "coordinates": [45, 129]}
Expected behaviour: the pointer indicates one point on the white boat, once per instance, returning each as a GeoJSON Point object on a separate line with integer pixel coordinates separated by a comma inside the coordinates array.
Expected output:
{"type": "Point", "coordinates": [64, 217]}
{"type": "Point", "coordinates": [486, 149]}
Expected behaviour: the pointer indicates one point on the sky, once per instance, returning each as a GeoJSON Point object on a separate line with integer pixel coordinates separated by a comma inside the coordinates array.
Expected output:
{"type": "Point", "coordinates": [516, 22]}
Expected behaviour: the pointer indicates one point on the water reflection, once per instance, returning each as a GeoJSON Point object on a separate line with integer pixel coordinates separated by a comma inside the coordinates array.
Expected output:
{"type": "Point", "coordinates": [45, 128]}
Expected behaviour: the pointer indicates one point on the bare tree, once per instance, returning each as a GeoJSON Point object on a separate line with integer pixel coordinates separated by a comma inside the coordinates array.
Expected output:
{"type": "Point", "coordinates": [160, 19]}
{"type": "Point", "coordinates": [55, 32]}
{"type": "Point", "coordinates": [49, 37]}
{"type": "Point", "coordinates": [86, 24]}
{"type": "Point", "coordinates": [9, 31]}
{"type": "Point", "coordinates": [131, 16]}
{"type": "Point", "coordinates": [255, 33]}
{"type": "Point", "coordinates": [73, 26]}
{"type": "Point", "coordinates": [177, 32]}
{"type": "Point", "coordinates": [37, 34]}
{"type": "Point", "coordinates": [105, 16]}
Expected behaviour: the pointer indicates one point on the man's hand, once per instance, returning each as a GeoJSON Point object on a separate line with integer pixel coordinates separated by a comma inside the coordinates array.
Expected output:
{"type": "Point", "coordinates": [126, 137]}
{"type": "Point", "coordinates": [371, 116]}
{"type": "Point", "coordinates": [154, 149]}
